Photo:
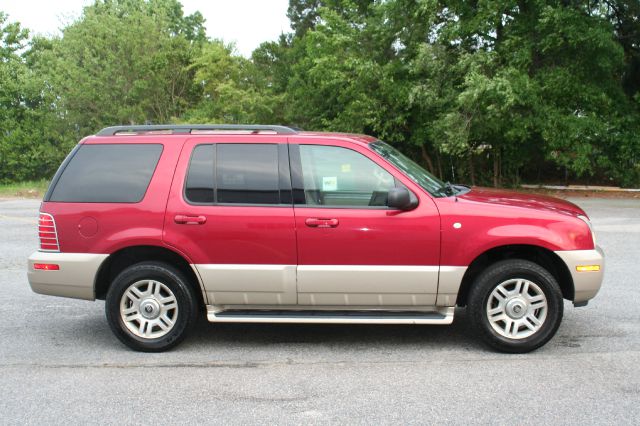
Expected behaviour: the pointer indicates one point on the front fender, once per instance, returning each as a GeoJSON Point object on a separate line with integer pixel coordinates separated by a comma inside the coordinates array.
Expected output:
{"type": "Point", "coordinates": [465, 237]}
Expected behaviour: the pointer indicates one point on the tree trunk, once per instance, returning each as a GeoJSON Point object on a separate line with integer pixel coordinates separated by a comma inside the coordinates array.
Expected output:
{"type": "Point", "coordinates": [472, 170]}
{"type": "Point", "coordinates": [496, 168]}
{"type": "Point", "coordinates": [426, 158]}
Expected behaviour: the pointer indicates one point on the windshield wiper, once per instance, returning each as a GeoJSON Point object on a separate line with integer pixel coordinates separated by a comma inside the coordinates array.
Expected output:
{"type": "Point", "coordinates": [449, 189]}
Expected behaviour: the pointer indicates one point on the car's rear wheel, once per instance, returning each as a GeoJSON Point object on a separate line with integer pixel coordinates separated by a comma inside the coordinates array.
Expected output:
{"type": "Point", "coordinates": [150, 306]}
{"type": "Point", "coordinates": [515, 306]}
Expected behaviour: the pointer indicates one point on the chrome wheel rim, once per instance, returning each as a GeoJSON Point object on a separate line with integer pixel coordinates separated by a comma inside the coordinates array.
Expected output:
{"type": "Point", "coordinates": [148, 309]}
{"type": "Point", "coordinates": [517, 308]}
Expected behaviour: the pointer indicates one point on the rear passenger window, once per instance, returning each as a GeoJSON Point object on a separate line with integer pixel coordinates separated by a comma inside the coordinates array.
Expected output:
{"type": "Point", "coordinates": [233, 174]}
{"type": "Point", "coordinates": [109, 173]}
{"type": "Point", "coordinates": [247, 174]}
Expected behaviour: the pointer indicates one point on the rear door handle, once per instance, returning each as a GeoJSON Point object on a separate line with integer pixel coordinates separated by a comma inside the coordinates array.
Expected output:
{"type": "Point", "coordinates": [183, 219]}
{"type": "Point", "coordinates": [315, 222]}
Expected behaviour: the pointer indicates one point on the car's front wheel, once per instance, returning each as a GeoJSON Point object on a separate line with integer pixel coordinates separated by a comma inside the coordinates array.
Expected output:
{"type": "Point", "coordinates": [515, 306]}
{"type": "Point", "coordinates": [150, 307]}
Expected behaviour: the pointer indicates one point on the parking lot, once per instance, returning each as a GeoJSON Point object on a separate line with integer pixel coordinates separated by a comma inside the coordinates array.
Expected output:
{"type": "Point", "coordinates": [59, 362]}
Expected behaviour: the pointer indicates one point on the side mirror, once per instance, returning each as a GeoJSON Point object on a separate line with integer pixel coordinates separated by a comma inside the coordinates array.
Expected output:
{"type": "Point", "coordinates": [400, 198]}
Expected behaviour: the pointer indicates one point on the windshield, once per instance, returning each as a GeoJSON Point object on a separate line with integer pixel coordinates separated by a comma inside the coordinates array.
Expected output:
{"type": "Point", "coordinates": [413, 171]}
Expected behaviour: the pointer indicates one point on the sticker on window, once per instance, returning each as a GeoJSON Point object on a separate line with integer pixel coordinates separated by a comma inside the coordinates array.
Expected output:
{"type": "Point", "coordinates": [345, 168]}
{"type": "Point", "coordinates": [329, 183]}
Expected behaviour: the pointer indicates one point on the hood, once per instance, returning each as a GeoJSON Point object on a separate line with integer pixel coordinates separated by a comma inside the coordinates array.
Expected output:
{"type": "Point", "coordinates": [520, 199]}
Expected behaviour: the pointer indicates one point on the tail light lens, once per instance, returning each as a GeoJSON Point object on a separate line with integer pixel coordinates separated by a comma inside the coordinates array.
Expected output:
{"type": "Point", "coordinates": [46, 266]}
{"type": "Point", "coordinates": [47, 233]}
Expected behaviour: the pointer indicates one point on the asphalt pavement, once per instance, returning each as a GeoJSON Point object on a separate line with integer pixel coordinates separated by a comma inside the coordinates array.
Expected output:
{"type": "Point", "coordinates": [60, 364]}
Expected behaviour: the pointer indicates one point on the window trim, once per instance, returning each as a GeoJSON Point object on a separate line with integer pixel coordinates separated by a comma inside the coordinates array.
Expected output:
{"type": "Point", "coordinates": [297, 181]}
{"type": "Point", "coordinates": [186, 176]}
{"type": "Point", "coordinates": [72, 154]}
{"type": "Point", "coordinates": [399, 170]}
{"type": "Point", "coordinates": [284, 176]}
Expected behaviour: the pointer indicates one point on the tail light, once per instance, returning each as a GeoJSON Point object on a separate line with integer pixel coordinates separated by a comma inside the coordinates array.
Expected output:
{"type": "Point", "coordinates": [47, 233]}
{"type": "Point", "coordinates": [46, 266]}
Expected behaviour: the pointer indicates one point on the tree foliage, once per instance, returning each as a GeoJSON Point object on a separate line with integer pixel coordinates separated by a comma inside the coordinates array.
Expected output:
{"type": "Point", "coordinates": [125, 62]}
{"type": "Point", "coordinates": [485, 92]}
{"type": "Point", "coordinates": [484, 86]}
{"type": "Point", "coordinates": [30, 139]}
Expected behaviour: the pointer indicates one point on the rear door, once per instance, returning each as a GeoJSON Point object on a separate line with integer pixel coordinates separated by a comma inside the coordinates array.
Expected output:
{"type": "Point", "coordinates": [352, 249]}
{"type": "Point", "coordinates": [230, 212]}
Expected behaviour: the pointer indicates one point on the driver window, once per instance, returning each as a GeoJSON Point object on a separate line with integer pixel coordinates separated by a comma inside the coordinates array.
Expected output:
{"type": "Point", "coordinates": [340, 177]}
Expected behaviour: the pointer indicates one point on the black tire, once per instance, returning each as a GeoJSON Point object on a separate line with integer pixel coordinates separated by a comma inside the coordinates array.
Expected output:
{"type": "Point", "coordinates": [500, 273]}
{"type": "Point", "coordinates": [185, 312]}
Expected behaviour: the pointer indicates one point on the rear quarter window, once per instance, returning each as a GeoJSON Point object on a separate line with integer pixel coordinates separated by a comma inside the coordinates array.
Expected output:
{"type": "Point", "coordinates": [107, 173]}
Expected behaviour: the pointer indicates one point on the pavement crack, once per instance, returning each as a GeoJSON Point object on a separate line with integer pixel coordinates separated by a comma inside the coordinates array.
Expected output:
{"type": "Point", "coordinates": [569, 357]}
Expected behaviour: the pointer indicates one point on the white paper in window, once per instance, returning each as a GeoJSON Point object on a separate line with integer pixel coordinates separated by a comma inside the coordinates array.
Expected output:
{"type": "Point", "coordinates": [329, 183]}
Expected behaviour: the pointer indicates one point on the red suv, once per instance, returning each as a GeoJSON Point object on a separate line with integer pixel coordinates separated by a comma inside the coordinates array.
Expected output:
{"type": "Point", "coordinates": [271, 224]}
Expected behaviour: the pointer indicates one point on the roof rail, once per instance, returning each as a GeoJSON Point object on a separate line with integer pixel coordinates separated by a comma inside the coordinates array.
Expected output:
{"type": "Point", "coordinates": [190, 128]}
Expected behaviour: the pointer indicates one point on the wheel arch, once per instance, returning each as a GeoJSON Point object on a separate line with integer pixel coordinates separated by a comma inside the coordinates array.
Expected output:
{"type": "Point", "coordinates": [539, 255]}
{"type": "Point", "coordinates": [127, 256]}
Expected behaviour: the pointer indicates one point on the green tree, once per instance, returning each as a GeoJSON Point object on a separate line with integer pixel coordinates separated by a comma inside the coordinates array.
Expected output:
{"type": "Point", "coordinates": [484, 92]}
{"type": "Point", "coordinates": [31, 145]}
{"type": "Point", "coordinates": [124, 61]}
{"type": "Point", "coordinates": [348, 76]}
{"type": "Point", "coordinates": [534, 78]}
{"type": "Point", "coordinates": [229, 90]}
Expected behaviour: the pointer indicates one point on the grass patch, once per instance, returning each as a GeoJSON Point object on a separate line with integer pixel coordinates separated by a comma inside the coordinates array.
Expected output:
{"type": "Point", "coordinates": [28, 189]}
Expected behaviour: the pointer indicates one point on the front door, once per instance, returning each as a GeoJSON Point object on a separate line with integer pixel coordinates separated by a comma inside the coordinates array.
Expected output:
{"type": "Point", "coordinates": [230, 212]}
{"type": "Point", "coordinates": [352, 249]}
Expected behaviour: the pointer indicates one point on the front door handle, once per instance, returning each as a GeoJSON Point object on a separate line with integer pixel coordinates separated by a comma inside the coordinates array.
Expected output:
{"type": "Point", "coordinates": [183, 219]}
{"type": "Point", "coordinates": [315, 222]}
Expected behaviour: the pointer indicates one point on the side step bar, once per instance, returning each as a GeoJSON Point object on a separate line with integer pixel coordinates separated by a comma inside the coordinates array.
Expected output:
{"type": "Point", "coordinates": [441, 316]}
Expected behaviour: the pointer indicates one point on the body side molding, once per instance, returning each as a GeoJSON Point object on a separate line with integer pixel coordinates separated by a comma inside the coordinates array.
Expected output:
{"type": "Point", "coordinates": [330, 285]}
{"type": "Point", "coordinates": [242, 284]}
{"type": "Point", "coordinates": [449, 284]}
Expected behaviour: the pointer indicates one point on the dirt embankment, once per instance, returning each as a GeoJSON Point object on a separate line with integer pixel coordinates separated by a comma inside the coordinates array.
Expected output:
{"type": "Point", "coordinates": [573, 193]}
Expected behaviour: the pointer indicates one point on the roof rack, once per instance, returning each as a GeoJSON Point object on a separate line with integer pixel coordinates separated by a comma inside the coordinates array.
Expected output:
{"type": "Point", "coordinates": [193, 128]}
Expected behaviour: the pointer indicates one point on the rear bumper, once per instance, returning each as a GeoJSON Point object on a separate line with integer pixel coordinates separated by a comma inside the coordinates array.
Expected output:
{"type": "Point", "coordinates": [585, 284]}
{"type": "Point", "coordinates": [75, 278]}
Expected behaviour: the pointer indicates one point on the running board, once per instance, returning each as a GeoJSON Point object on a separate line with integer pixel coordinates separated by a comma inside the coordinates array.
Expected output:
{"type": "Point", "coordinates": [441, 316]}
